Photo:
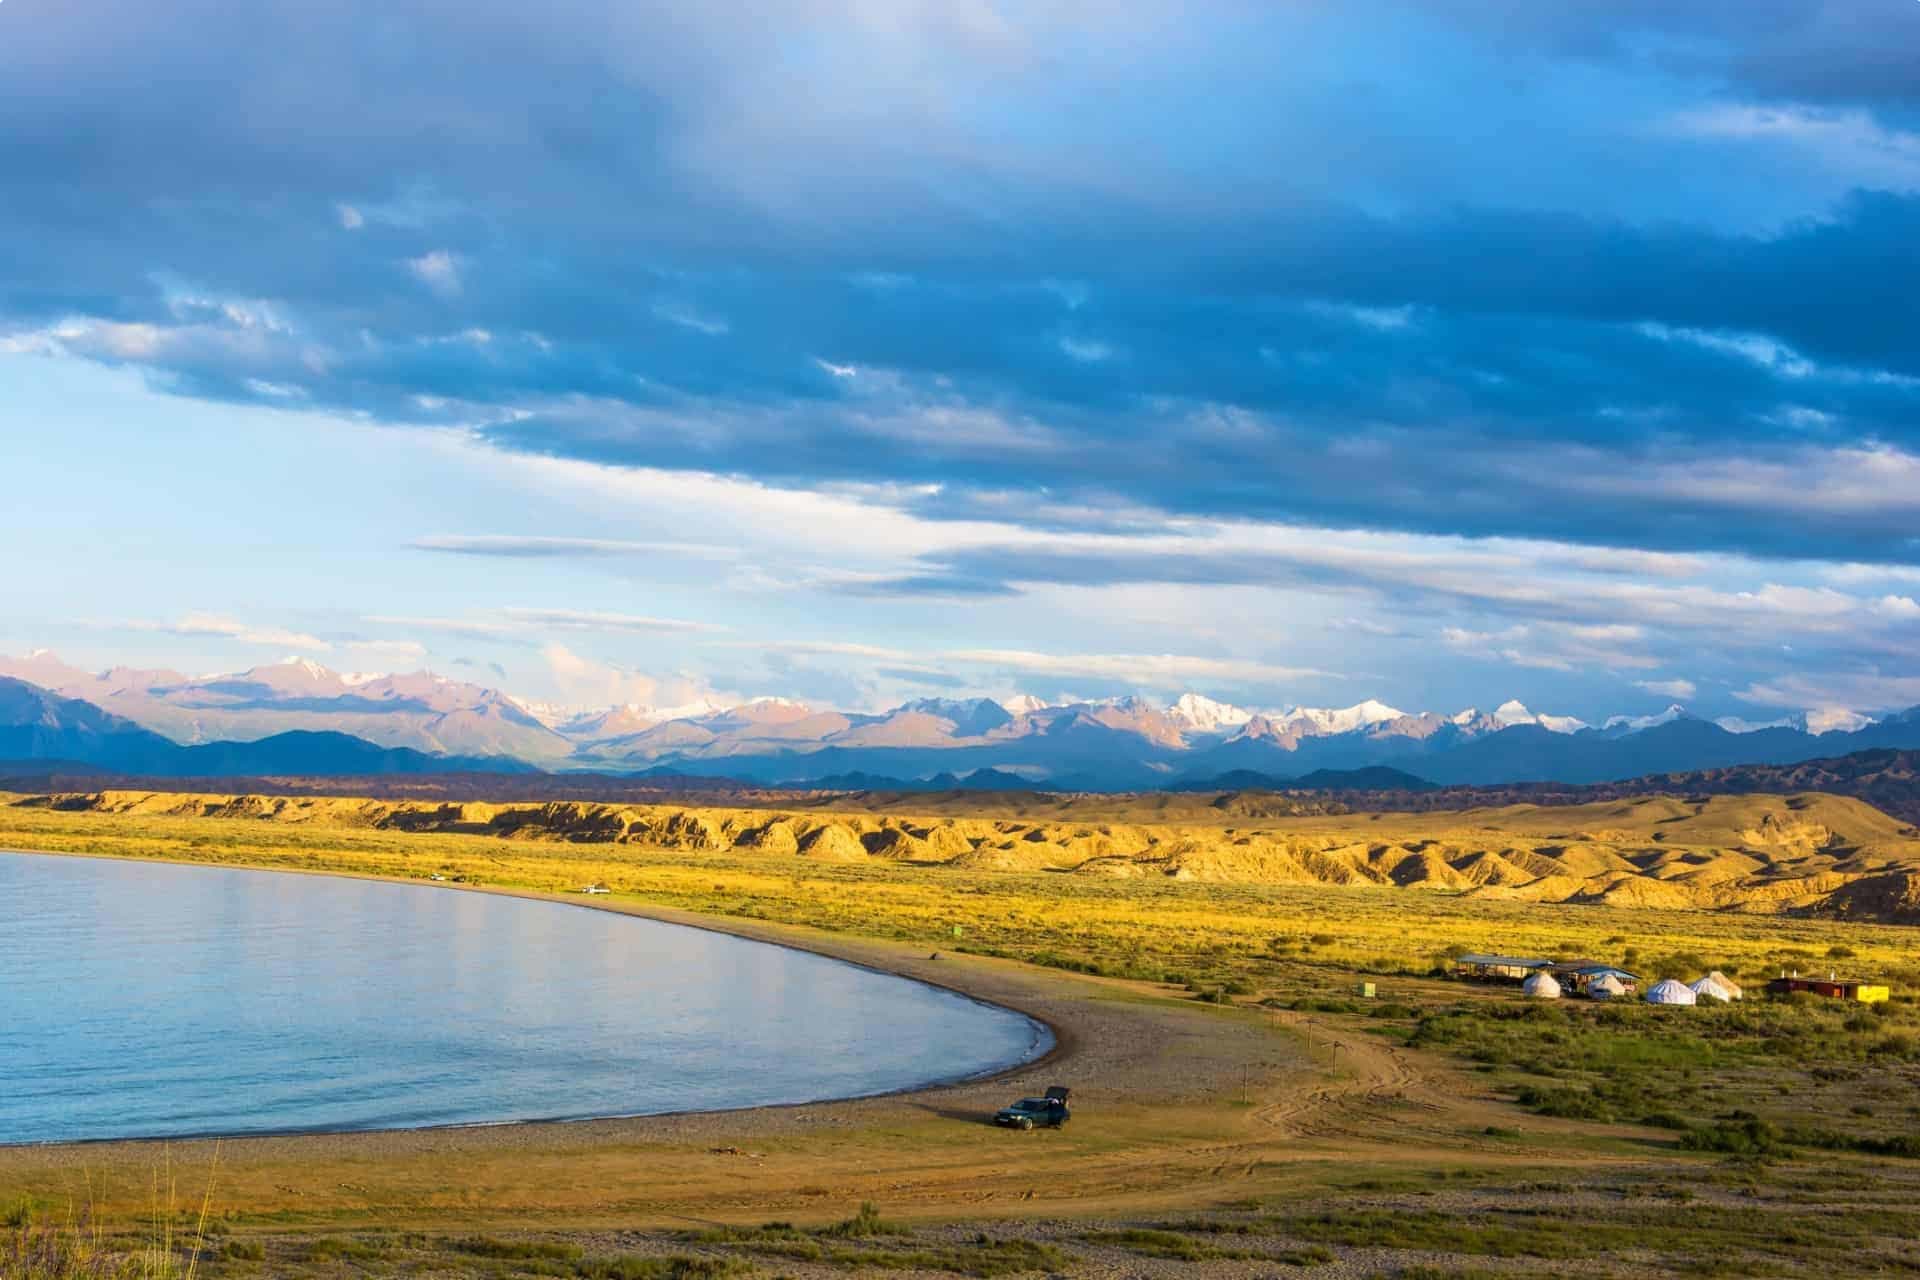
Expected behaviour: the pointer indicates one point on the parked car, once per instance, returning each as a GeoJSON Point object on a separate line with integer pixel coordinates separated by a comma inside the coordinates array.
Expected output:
{"type": "Point", "coordinates": [1050, 1112]}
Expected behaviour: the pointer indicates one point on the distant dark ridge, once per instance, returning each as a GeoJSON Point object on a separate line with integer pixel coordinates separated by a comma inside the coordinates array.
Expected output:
{"type": "Point", "coordinates": [42, 776]}
{"type": "Point", "coordinates": [1377, 777]}
{"type": "Point", "coordinates": [1232, 780]}
{"type": "Point", "coordinates": [39, 725]}
{"type": "Point", "coordinates": [859, 781]}
{"type": "Point", "coordinates": [1885, 778]}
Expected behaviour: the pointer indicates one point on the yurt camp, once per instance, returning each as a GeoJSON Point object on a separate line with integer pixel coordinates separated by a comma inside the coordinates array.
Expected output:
{"type": "Point", "coordinates": [1710, 988]}
{"type": "Point", "coordinates": [1541, 986]}
{"type": "Point", "coordinates": [1606, 987]}
{"type": "Point", "coordinates": [1671, 991]}
{"type": "Point", "coordinates": [1733, 988]}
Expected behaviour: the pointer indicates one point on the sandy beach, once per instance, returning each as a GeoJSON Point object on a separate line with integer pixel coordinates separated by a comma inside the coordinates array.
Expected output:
{"type": "Point", "coordinates": [1127, 1049]}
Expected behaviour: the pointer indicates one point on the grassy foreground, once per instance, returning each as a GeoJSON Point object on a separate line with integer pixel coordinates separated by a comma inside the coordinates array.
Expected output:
{"type": "Point", "coordinates": [1447, 1131]}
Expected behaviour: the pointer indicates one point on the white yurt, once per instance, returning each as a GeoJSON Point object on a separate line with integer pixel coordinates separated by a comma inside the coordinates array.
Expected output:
{"type": "Point", "coordinates": [1671, 991]}
{"type": "Point", "coordinates": [1710, 988]}
{"type": "Point", "coordinates": [1732, 988]}
{"type": "Point", "coordinates": [1541, 986]}
{"type": "Point", "coordinates": [1605, 987]}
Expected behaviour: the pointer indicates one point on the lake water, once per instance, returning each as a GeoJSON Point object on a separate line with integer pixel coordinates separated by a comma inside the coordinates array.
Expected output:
{"type": "Point", "coordinates": [146, 1000]}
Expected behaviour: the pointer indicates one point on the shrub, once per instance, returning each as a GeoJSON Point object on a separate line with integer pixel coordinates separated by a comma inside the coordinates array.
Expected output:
{"type": "Point", "coordinates": [492, 1247]}
{"type": "Point", "coordinates": [867, 1222]}
{"type": "Point", "coordinates": [678, 1267]}
{"type": "Point", "coordinates": [1741, 1134]}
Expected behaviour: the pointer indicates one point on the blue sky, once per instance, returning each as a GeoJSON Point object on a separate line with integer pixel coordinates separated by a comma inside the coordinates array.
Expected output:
{"type": "Point", "coordinates": [1290, 352]}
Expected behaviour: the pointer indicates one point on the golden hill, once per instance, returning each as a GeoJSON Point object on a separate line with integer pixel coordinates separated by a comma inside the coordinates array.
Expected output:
{"type": "Point", "coordinates": [1767, 854]}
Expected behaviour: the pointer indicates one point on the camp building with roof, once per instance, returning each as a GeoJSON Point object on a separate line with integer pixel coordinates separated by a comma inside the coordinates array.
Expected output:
{"type": "Point", "coordinates": [1570, 975]}
{"type": "Point", "coordinates": [1491, 968]}
{"type": "Point", "coordinates": [1578, 975]}
{"type": "Point", "coordinates": [1830, 987]}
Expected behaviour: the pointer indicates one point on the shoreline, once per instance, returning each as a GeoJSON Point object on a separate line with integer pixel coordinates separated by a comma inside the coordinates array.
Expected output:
{"type": "Point", "coordinates": [840, 948]}
{"type": "Point", "coordinates": [1179, 1104]}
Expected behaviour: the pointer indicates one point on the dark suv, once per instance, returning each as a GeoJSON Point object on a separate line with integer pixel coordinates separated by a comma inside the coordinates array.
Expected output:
{"type": "Point", "coordinates": [1050, 1112]}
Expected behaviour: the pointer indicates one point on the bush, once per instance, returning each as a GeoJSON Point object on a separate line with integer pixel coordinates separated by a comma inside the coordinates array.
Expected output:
{"type": "Point", "coordinates": [1568, 1104]}
{"type": "Point", "coordinates": [1741, 1134]}
{"type": "Point", "coordinates": [867, 1222]}
{"type": "Point", "coordinates": [491, 1247]}
{"type": "Point", "coordinates": [630, 1267]}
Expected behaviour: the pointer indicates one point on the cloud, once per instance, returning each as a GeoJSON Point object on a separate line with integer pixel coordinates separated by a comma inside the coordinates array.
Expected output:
{"type": "Point", "coordinates": [1648, 362]}
{"type": "Point", "coordinates": [393, 650]}
{"type": "Point", "coordinates": [586, 682]}
{"type": "Point", "coordinates": [689, 318]}
{"type": "Point", "coordinates": [509, 546]}
{"type": "Point", "coordinates": [1153, 671]}
{"type": "Point", "coordinates": [1868, 690]}
{"type": "Point", "coordinates": [825, 648]}
{"type": "Point", "coordinates": [472, 628]}
{"type": "Point", "coordinates": [920, 676]}
{"type": "Point", "coordinates": [518, 626]}
{"type": "Point", "coordinates": [1410, 334]}
{"type": "Point", "coordinates": [590, 620]}
{"type": "Point", "coordinates": [214, 625]}
{"type": "Point", "coordinates": [439, 270]}
{"type": "Point", "coordinates": [1680, 690]}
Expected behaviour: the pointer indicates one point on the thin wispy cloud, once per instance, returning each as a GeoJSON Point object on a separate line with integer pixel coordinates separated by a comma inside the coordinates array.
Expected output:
{"type": "Point", "coordinates": [208, 625]}
{"type": "Point", "coordinates": [592, 620]}
{"type": "Point", "coordinates": [536, 547]}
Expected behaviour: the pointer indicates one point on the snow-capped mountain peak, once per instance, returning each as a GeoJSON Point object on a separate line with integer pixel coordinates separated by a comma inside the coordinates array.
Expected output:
{"type": "Point", "coordinates": [1023, 704]}
{"type": "Point", "coordinates": [1822, 720]}
{"type": "Point", "coordinates": [1515, 712]}
{"type": "Point", "coordinates": [1739, 724]}
{"type": "Point", "coordinates": [1326, 721]}
{"type": "Point", "coordinates": [1634, 724]}
{"type": "Point", "coordinates": [1202, 714]}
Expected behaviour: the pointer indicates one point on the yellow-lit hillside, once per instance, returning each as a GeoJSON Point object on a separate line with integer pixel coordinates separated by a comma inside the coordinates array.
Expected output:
{"type": "Point", "coordinates": [1819, 854]}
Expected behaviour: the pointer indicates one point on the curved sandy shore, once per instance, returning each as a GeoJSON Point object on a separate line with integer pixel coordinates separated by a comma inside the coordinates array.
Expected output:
{"type": "Point", "coordinates": [1120, 1045]}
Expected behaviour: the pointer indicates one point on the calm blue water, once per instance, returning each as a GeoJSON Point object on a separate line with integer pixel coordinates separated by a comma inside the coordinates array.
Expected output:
{"type": "Point", "coordinates": [144, 1000]}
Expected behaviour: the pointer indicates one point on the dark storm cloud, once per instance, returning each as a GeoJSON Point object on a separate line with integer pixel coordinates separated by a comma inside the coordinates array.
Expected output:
{"type": "Point", "coordinates": [826, 248]}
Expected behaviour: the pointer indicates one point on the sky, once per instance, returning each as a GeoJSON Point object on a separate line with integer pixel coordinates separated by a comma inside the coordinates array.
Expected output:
{"type": "Point", "coordinates": [866, 350]}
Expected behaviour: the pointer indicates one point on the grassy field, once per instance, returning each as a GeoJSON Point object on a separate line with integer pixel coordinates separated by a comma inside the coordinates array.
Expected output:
{"type": "Point", "coordinates": [1450, 1129]}
{"type": "Point", "coordinates": [1148, 927]}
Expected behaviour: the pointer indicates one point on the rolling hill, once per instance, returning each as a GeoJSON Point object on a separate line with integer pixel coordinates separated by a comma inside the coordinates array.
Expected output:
{"type": "Point", "coordinates": [1798, 854]}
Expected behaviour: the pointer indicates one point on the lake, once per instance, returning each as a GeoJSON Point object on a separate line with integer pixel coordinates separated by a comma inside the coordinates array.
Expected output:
{"type": "Point", "coordinates": [147, 1000]}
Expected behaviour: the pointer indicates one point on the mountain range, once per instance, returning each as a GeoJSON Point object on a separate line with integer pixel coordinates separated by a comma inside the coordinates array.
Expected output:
{"type": "Point", "coordinates": [299, 717]}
